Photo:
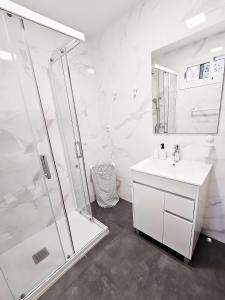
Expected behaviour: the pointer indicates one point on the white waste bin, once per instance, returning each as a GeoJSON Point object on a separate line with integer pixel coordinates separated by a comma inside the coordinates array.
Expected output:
{"type": "Point", "coordinates": [104, 182]}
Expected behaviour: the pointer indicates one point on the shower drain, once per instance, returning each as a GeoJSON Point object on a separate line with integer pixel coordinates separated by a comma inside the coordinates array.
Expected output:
{"type": "Point", "coordinates": [40, 255]}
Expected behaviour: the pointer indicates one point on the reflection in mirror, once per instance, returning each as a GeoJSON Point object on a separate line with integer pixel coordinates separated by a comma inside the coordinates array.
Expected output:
{"type": "Point", "coordinates": [187, 84]}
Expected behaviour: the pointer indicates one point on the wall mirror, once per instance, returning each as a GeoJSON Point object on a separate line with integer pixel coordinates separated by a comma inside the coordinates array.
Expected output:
{"type": "Point", "coordinates": [187, 83]}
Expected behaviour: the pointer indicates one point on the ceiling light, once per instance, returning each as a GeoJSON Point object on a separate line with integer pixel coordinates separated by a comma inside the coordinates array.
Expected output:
{"type": "Point", "coordinates": [90, 70]}
{"type": "Point", "coordinates": [6, 55]}
{"type": "Point", "coordinates": [217, 49]}
{"type": "Point", "coordinates": [196, 20]}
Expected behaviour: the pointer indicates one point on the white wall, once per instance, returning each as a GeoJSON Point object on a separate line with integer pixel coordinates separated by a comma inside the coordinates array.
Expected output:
{"type": "Point", "coordinates": [122, 61]}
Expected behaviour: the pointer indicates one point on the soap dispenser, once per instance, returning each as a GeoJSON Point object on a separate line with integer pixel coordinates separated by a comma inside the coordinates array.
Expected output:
{"type": "Point", "coordinates": [162, 152]}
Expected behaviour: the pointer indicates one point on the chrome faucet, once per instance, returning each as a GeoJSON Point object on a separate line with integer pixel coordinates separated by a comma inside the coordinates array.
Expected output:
{"type": "Point", "coordinates": [176, 153]}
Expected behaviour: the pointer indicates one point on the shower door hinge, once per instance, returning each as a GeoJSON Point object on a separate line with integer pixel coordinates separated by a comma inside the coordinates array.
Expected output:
{"type": "Point", "coordinates": [22, 23]}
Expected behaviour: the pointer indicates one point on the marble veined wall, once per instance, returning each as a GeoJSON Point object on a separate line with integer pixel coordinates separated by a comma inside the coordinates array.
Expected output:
{"type": "Point", "coordinates": [122, 59]}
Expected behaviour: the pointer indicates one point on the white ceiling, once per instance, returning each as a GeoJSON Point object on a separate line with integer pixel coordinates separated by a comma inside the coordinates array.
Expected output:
{"type": "Point", "coordinates": [88, 16]}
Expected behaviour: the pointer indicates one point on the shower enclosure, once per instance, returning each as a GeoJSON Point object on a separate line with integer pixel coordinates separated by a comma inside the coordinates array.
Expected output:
{"type": "Point", "coordinates": [46, 222]}
{"type": "Point", "coordinates": [164, 90]}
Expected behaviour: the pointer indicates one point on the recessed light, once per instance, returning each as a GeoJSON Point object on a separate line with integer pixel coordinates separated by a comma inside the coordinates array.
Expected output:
{"type": "Point", "coordinates": [196, 20]}
{"type": "Point", "coordinates": [6, 55]}
{"type": "Point", "coordinates": [217, 49]}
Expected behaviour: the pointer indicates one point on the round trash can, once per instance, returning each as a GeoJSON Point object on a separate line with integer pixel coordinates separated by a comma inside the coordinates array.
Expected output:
{"type": "Point", "coordinates": [104, 182]}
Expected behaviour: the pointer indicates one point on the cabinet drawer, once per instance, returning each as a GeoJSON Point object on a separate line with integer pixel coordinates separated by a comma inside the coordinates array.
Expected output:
{"type": "Point", "coordinates": [179, 206]}
{"type": "Point", "coordinates": [166, 184]}
{"type": "Point", "coordinates": [177, 234]}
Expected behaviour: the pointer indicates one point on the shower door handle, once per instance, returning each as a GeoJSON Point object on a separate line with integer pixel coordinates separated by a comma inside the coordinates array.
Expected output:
{"type": "Point", "coordinates": [45, 166]}
{"type": "Point", "coordinates": [78, 149]}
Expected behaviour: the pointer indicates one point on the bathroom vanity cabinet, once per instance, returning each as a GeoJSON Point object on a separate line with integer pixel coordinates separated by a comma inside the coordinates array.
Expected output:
{"type": "Point", "coordinates": [169, 201]}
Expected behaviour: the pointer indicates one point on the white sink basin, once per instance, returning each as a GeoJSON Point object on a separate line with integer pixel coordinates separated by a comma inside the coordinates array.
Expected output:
{"type": "Point", "coordinates": [189, 171]}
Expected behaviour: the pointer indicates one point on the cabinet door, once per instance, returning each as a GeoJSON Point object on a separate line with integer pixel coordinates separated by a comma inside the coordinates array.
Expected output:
{"type": "Point", "coordinates": [148, 207]}
{"type": "Point", "coordinates": [177, 234]}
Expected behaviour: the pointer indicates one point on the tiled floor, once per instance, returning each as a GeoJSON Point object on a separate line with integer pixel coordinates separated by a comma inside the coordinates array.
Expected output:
{"type": "Point", "coordinates": [127, 266]}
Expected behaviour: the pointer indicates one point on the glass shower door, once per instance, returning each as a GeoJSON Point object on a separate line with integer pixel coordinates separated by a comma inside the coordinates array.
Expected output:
{"type": "Point", "coordinates": [67, 119]}
{"type": "Point", "coordinates": [48, 53]}
{"type": "Point", "coordinates": [30, 246]}
{"type": "Point", "coordinates": [83, 225]}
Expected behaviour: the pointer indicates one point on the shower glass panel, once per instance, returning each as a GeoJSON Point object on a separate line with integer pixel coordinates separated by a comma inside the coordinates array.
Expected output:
{"type": "Point", "coordinates": [42, 120]}
{"type": "Point", "coordinates": [67, 120]}
{"type": "Point", "coordinates": [59, 111]}
{"type": "Point", "coordinates": [57, 101]}
{"type": "Point", "coordinates": [30, 246]}
{"type": "Point", "coordinates": [164, 101]}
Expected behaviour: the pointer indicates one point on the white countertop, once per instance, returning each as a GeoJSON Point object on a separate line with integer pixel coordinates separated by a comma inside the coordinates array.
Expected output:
{"type": "Point", "coordinates": [188, 171]}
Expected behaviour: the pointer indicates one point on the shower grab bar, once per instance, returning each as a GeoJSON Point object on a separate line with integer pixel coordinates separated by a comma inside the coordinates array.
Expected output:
{"type": "Point", "coordinates": [78, 149]}
{"type": "Point", "coordinates": [45, 166]}
{"type": "Point", "coordinates": [195, 112]}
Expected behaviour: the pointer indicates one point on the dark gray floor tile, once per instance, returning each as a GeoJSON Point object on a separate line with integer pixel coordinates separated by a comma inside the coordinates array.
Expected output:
{"type": "Point", "coordinates": [127, 266]}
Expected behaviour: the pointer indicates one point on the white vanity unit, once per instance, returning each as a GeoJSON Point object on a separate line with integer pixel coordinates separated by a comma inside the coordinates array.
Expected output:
{"type": "Point", "coordinates": [169, 201]}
